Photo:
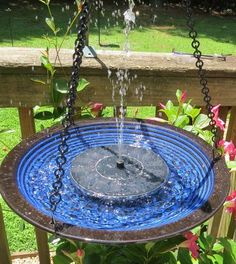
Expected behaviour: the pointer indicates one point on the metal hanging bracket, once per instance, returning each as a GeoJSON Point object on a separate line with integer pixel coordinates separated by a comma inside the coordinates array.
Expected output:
{"type": "Point", "coordinates": [89, 52]}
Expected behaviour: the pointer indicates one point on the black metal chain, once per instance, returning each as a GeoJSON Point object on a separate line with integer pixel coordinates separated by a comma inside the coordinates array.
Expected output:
{"type": "Point", "coordinates": [202, 75]}
{"type": "Point", "coordinates": [63, 148]}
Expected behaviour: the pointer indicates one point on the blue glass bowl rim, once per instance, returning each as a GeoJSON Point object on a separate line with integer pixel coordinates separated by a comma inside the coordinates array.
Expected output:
{"type": "Point", "coordinates": [15, 200]}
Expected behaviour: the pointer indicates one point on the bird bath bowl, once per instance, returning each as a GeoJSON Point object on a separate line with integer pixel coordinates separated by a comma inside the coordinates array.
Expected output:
{"type": "Point", "coordinates": [168, 183]}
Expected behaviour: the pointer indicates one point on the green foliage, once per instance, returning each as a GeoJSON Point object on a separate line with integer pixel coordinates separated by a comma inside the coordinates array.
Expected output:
{"type": "Point", "coordinates": [58, 86]}
{"type": "Point", "coordinates": [20, 234]}
{"type": "Point", "coordinates": [188, 117]}
{"type": "Point", "coordinates": [167, 33]}
{"type": "Point", "coordinates": [158, 252]}
{"type": "Point", "coordinates": [212, 251]}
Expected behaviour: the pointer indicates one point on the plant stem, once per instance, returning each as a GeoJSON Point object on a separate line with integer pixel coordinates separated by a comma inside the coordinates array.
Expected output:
{"type": "Point", "coordinates": [65, 35]}
{"type": "Point", "coordinates": [49, 11]}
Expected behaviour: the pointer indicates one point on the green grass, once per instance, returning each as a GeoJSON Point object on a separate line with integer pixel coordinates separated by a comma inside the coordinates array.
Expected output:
{"type": "Point", "coordinates": [167, 32]}
{"type": "Point", "coordinates": [20, 234]}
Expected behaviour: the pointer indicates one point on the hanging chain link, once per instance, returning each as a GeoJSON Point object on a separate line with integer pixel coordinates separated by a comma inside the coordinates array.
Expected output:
{"type": "Point", "coordinates": [68, 121]}
{"type": "Point", "coordinates": [203, 80]}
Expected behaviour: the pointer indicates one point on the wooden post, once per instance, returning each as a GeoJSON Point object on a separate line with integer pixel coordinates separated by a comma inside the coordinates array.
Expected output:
{"type": "Point", "coordinates": [5, 257]}
{"type": "Point", "coordinates": [216, 221]}
{"type": "Point", "coordinates": [213, 227]}
{"type": "Point", "coordinates": [224, 111]}
{"type": "Point", "coordinates": [28, 129]}
{"type": "Point", "coordinates": [232, 228]}
{"type": "Point", "coordinates": [231, 134]}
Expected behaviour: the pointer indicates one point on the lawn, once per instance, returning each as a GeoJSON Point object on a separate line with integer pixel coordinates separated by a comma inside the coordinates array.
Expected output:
{"type": "Point", "coordinates": [159, 30]}
{"type": "Point", "coordinates": [156, 29]}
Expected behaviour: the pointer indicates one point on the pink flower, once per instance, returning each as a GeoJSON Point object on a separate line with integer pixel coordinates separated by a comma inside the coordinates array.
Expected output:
{"type": "Point", "coordinates": [96, 108]}
{"type": "Point", "coordinates": [191, 244]}
{"type": "Point", "coordinates": [230, 204]}
{"type": "Point", "coordinates": [80, 253]}
{"type": "Point", "coordinates": [228, 148]}
{"type": "Point", "coordinates": [220, 123]}
{"type": "Point", "coordinates": [162, 106]}
{"type": "Point", "coordinates": [183, 97]}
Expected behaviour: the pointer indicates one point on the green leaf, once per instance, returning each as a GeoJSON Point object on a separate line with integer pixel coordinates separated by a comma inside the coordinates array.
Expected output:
{"type": "Point", "coordinates": [135, 253]}
{"type": "Point", "coordinates": [59, 112]}
{"type": "Point", "coordinates": [188, 128]}
{"type": "Point", "coordinates": [47, 64]}
{"type": "Point", "coordinates": [82, 85]}
{"type": "Point", "coordinates": [184, 256]}
{"type": "Point", "coordinates": [53, 239]}
{"type": "Point", "coordinates": [219, 258]}
{"type": "Point", "coordinates": [50, 22]}
{"type": "Point", "coordinates": [117, 260]}
{"type": "Point", "coordinates": [193, 113]}
{"type": "Point", "coordinates": [187, 106]}
{"type": "Point", "coordinates": [61, 85]}
{"type": "Point", "coordinates": [181, 121]}
{"type": "Point", "coordinates": [230, 249]}
{"type": "Point", "coordinates": [61, 259]}
{"type": "Point", "coordinates": [43, 1]}
{"type": "Point", "coordinates": [203, 243]}
{"type": "Point", "coordinates": [170, 105]}
{"type": "Point", "coordinates": [218, 247]}
{"type": "Point", "coordinates": [6, 131]}
{"type": "Point", "coordinates": [202, 121]}
{"type": "Point", "coordinates": [37, 81]}
{"type": "Point", "coordinates": [205, 135]}
{"type": "Point", "coordinates": [60, 88]}
{"type": "Point", "coordinates": [44, 115]}
{"type": "Point", "coordinates": [149, 245]}
{"type": "Point", "coordinates": [165, 245]}
{"type": "Point", "coordinates": [63, 246]}
{"type": "Point", "coordinates": [178, 95]}
{"type": "Point", "coordinates": [166, 258]}
{"type": "Point", "coordinates": [204, 259]}
{"type": "Point", "coordinates": [93, 258]}
{"type": "Point", "coordinates": [171, 114]}
{"type": "Point", "coordinates": [230, 164]}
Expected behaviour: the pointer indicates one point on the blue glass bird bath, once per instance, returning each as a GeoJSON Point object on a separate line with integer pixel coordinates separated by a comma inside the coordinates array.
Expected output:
{"type": "Point", "coordinates": [168, 183]}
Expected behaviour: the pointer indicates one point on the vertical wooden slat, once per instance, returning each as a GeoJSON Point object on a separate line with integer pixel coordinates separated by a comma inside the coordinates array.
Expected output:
{"type": "Point", "coordinates": [227, 219]}
{"type": "Point", "coordinates": [215, 222]}
{"type": "Point", "coordinates": [232, 228]}
{"type": "Point", "coordinates": [231, 133]}
{"type": "Point", "coordinates": [224, 111]}
{"type": "Point", "coordinates": [224, 223]}
{"type": "Point", "coordinates": [28, 129]}
{"type": "Point", "coordinates": [232, 223]}
{"type": "Point", "coordinates": [5, 257]}
{"type": "Point", "coordinates": [157, 111]}
{"type": "Point", "coordinates": [42, 243]}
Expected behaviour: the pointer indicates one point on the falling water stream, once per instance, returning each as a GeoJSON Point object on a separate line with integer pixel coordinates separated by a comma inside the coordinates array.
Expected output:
{"type": "Point", "coordinates": [123, 80]}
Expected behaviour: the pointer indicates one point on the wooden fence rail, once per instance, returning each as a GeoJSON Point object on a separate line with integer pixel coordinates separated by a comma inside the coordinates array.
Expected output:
{"type": "Point", "coordinates": [157, 75]}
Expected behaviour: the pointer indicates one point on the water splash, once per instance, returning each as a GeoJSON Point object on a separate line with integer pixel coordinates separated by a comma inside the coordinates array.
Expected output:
{"type": "Point", "coordinates": [129, 17]}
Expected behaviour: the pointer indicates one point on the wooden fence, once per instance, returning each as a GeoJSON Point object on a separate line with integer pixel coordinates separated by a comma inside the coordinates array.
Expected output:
{"type": "Point", "coordinates": [157, 75]}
